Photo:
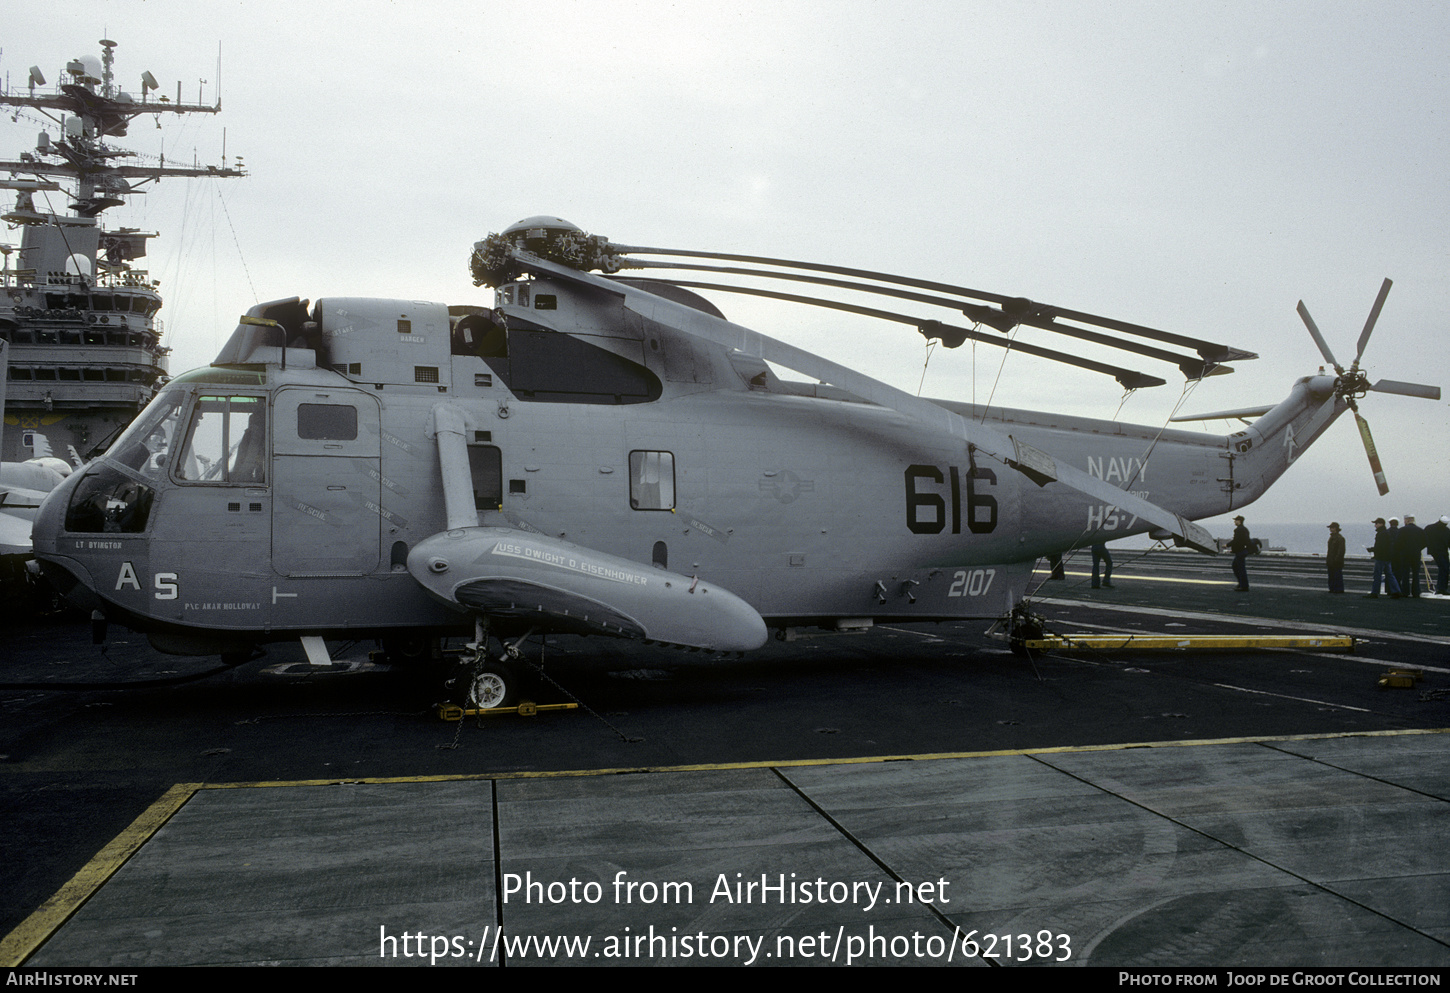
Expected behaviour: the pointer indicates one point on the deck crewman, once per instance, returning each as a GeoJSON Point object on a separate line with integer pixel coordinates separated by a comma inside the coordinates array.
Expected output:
{"type": "Point", "coordinates": [1241, 545]}
{"type": "Point", "coordinates": [1334, 559]}
{"type": "Point", "coordinates": [1408, 545]}
{"type": "Point", "coordinates": [1383, 552]}
{"type": "Point", "coordinates": [1437, 543]}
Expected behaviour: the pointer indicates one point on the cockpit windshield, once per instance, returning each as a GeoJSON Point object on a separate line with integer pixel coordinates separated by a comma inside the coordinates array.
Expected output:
{"type": "Point", "coordinates": [145, 445]}
{"type": "Point", "coordinates": [117, 490]}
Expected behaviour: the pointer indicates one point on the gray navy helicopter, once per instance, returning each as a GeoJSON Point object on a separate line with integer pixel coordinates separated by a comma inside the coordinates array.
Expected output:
{"type": "Point", "coordinates": [607, 455]}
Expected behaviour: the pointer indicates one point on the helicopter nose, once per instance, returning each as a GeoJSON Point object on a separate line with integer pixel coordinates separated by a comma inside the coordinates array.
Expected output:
{"type": "Point", "coordinates": [66, 572]}
{"type": "Point", "coordinates": [46, 529]}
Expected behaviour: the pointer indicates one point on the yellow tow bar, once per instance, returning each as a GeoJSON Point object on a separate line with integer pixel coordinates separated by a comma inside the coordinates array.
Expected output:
{"type": "Point", "coordinates": [526, 708]}
{"type": "Point", "coordinates": [1159, 642]}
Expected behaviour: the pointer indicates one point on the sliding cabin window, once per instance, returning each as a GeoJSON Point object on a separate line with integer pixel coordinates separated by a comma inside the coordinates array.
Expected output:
{"type": "Point", "coordinates": [327, 421]}
{"type": "Point", "coordinates": [652, 480]}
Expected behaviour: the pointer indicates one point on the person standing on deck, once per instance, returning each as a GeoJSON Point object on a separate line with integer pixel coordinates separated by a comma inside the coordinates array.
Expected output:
{"type": "Point", "coordinates": [1383, 552]}
{"type": "Point", "coordinates": [1334, 559]}
{"type": "Point", "coordinates": [1102, 559]}
{"type": "Point", "coordinates": [1408, 545]}
{"type": "Point", "coordinates": [1241, 545]}
{"type": "Point", "coordinates": [1437, 543]}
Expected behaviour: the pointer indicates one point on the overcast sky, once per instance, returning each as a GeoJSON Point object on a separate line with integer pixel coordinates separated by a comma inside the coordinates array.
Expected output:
{"type": "Point", "coordinates": [1196, 168]}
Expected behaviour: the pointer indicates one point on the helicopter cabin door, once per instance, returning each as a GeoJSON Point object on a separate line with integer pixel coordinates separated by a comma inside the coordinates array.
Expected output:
{"type": "Point", "coordinates": [325, 519]}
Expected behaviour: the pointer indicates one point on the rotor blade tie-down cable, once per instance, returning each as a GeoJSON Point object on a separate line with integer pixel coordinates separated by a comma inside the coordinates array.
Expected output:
{"type": "Point", "coordinates": [930, 347]}
{"type": "Point", "coordinates": [1006, 350]}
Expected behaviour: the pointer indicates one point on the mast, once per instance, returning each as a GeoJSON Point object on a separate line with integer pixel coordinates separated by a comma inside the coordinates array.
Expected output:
{"type": "Point", "coordinates": [86, 352]}
{"type": "Point", "coordinates": [90, 110]}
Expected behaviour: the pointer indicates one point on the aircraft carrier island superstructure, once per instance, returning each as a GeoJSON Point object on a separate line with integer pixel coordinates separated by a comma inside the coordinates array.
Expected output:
{"type": "Point", "coordinates": [86, 350]}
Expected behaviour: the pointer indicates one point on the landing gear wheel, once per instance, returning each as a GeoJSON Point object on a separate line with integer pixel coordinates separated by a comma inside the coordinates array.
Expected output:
{"type": "Point", "coordinates": [491, 686]}
{"type": "Point", "coordinates": [1024, 626]}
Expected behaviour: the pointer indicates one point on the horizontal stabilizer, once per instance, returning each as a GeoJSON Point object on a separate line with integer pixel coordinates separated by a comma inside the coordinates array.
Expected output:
{"type": "Point", "coordinates": [1242, 412]}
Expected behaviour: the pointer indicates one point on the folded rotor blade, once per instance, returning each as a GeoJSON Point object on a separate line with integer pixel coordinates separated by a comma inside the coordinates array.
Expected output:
{"type": "Point", "coordinates": [1374, 458]}
{"type": "Point", "coordinates": [1319, 338]}
{"type": "Point", "coordinates": [1374, 315]}
{"type": "Point", "coordinates": [1209, 351]}
{"type": "Point", "coordinates": [1012, 308]}
{"type": "Point", "coordinates": [1192, 366]}
{"type": "Point", "coordinates": [951, 335]}
{"type": "Point", "coordinates": [1407, 389]}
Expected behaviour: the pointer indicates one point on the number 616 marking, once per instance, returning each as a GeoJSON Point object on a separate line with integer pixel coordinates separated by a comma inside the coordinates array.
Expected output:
{"type": "Point", "coordinates": [927, 512]}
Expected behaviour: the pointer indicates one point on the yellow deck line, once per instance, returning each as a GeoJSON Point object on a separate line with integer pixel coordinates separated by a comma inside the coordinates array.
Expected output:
{"type": "Point", "coordinates": [1109, 642]}
{"type": "Point", "coordinates": [21, 943]}
{"type": "Point", "coordinates": [1162, 579]}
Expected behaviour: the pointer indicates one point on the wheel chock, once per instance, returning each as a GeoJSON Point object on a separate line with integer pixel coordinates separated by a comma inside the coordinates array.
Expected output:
{"type": "Point", "coordinates": [1402, 679]}
{"type": "Point", "coordinates": [525, 708]}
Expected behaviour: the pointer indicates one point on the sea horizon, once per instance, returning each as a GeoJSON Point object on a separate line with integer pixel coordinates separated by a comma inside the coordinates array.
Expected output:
{"type": "Point", "coordinates": [1296, 537]}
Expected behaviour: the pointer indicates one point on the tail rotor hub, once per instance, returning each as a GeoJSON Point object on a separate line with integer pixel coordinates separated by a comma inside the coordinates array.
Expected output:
{"type": "Point", "coordinates": [1351, 386]}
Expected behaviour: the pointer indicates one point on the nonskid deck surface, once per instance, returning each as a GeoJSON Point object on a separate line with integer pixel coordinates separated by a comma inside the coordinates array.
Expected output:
{"type": "Point", "coordinates": [1318, 851]}
{"type": "Point", "coordinates": [1291, 813]}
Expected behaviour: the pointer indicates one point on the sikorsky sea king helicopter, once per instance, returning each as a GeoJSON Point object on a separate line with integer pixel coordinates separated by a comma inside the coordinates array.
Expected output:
{"type": "Point", "coordinates": [610, 456]}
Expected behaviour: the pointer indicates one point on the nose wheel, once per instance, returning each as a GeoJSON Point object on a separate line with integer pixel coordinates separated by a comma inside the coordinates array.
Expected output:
{"type": "Point", "coordinates": [492, 684]}
{"type": "Point", "coordinates": [485, 682]}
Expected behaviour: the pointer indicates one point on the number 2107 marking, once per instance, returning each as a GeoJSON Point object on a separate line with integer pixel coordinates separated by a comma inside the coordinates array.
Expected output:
{"type": "Point", "coordinates": [972, 582]}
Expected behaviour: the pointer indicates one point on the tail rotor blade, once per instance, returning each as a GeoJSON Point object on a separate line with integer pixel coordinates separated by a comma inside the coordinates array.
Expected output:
{"type": "Point", "coordinates": [1319, 338]}
{"type": "Point", "coordinates": [1374, 458]}
{"type": "Point", "coordinates": [1374, 315]}
{"type": "Point", "coordinates": [1407, 389]}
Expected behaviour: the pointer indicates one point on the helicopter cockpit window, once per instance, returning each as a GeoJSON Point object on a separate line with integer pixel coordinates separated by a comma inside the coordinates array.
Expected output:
{"type": "Point", "coordinates": [327, 421]}
{"type": "Point", "coordinates": [652, 480]}
{"type": "Point", "coordinates": [147, 444]}
{"type": "Point", "coordinates": [109, 500]}
{"type": "Point", "coordinates": [116, 492]}
{"type": "Point", "coordinates": [226, 441]}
